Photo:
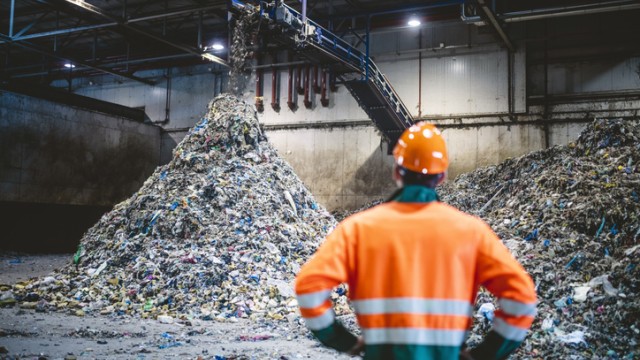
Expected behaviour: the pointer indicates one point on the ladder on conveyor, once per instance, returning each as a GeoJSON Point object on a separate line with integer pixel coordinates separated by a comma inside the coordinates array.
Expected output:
{"type": "Point", "coordinates": [370, 87]}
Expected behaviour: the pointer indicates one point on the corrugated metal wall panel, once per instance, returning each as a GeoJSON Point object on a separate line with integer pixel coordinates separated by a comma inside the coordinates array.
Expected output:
{"type": "Point", "coordinates": [585, 77]}
{"type": "Point", "coordinates": [520, 79]}
{"type": "Point", "coordinates": [467, 83]}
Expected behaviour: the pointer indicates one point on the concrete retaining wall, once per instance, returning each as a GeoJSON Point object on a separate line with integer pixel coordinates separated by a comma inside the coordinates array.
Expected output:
{"type": "Point", "coordinates": [58, 154]}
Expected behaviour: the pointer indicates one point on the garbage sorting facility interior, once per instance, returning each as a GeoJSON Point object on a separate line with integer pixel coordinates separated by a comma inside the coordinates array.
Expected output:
{"type": "Point", "coordinates": [166, 168]}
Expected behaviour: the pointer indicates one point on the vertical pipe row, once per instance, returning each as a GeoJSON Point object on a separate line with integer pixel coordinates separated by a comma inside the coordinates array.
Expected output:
{"type": "Point", "coordinates": [324, 100]}
{"type": "Point", "coordinates": [307, 101]}
{"type": "Point", "coordinates": [316, 86]}
{"type": "Point", "coordinates": [259, 78]}
{"type": "Point", "coordinates": [299, 87]}
{"type": "Point", "coordinates": [290, 103]}
{"type": "Point", "coordinates": [259, 97]}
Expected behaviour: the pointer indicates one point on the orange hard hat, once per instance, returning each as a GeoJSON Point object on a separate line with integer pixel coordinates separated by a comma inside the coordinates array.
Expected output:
{"type": "Point", "coordinates": [421, 148]}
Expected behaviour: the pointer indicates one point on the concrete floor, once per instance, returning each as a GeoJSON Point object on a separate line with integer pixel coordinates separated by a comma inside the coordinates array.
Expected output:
{"type": "Point", "coordinates": [26, 334]}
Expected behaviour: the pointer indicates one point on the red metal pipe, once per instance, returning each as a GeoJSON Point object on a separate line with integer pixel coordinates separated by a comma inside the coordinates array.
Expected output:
{"type": "Point", "coordinates": [290, 102]}
{"type": "Point", "coordinates": [332, 81]}
{"type": "Point", "coordinates": [324, 100]}
{"type": "Point", "coordinates": [275, 98]}
{"type": "Point", "coordinates": [299, 87]}
{"type": "Point", "coordinates": [259, 98]}
{"type": "Point", "coordinates": [316, 87]}
{"type": "Point", "coordinates": [307, 102]}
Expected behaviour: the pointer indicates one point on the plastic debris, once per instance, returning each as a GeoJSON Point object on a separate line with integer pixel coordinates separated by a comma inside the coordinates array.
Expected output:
{"type": "Point", "coordinates": [606, 285]}
{"type": "Point", "coordinates": [218, 233]}
{"type": "Point", "coordinates": [575, 337]}
{"type": "Point", "coordinates": [486, 311]}
{"type": "Point", "coordinates": [165, 319]}
{"type": "Point", "coordinates": [580, 293]}
{"type": "Point", "coordinates": [254, 338]}
{"type": "Point", "coordinates": [547, 324]}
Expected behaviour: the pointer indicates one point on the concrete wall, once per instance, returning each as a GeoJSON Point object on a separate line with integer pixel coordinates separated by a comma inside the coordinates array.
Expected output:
{"type": "Point", "coordinates": [343, 167]}
{"type": "Point", "coordinates": [190, 90]}
{"type": "Point", "coordinates": [57, 154]}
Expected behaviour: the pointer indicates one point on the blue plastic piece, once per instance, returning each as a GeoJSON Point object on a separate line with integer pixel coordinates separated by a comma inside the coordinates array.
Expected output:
{"type": "Point", "coordinates": [532, 235]}
{"type": "Point", "coordinates": [600, 228]}
{"type": "Point", "coordinates": [170, 345]}
{"type": "Point", "coordinates": [614, 230]}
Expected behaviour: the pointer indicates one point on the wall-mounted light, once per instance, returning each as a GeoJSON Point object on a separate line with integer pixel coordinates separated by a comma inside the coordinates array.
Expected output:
{"type": "Point", "coordinates": [414, 22]}
{"type": "Point", "coordinates": [69, 66]}
{"type": "Point", "coordinates": [217, 46]}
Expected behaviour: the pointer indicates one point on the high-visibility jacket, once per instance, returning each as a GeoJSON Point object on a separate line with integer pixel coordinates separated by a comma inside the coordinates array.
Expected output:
{"type": "Point", "coordinates": [414, 270]}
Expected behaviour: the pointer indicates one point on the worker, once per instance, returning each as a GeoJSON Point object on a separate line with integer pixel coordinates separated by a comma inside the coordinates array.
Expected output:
{"type": "Point", "coordinates": [414, 266]}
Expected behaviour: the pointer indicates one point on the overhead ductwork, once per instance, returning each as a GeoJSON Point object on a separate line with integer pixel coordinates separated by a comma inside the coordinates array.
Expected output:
{"type": "Point", "coordinates": [469, 12]}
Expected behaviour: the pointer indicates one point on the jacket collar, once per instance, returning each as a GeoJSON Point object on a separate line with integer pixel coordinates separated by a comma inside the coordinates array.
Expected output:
{"type": "Point", "coordinates": [415, 194]}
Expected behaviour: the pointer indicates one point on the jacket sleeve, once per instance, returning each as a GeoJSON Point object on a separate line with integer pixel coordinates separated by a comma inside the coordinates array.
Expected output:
{"type": "Point", "coordinates": [327, 269]}
{"type": "Point", "coordinates": [499, 272]}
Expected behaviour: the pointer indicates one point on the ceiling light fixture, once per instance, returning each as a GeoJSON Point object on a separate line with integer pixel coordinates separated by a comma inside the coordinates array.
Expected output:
{"type": "Point", "coordinates": [217, 46]}
{"type": "Point", "coordinates": [69, 65]}
{"type": "Point", "coordinates": [414, 22]}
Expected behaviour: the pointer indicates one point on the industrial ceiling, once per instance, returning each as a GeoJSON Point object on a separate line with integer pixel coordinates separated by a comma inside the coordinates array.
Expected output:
{"type": "Point", "coordinates": [42, 40]}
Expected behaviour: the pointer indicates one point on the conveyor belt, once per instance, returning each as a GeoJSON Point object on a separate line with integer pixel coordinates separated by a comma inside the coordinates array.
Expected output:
{"type": "Point", "coordinates": [372, 90]}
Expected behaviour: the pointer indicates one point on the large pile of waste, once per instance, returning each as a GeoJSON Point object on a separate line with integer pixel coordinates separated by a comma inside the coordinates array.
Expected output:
{"type": "Point", "coordinates": [571, 215]}
{"type": "Point", "coordinates": [218, 232]}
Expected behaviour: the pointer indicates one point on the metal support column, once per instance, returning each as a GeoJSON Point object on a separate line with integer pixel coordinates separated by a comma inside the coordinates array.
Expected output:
{"type": "Point", "coordinates": [368, 59]}
{"type": "Point", "coordinates": [11, 16]}
{"type": "Point", "coordinates": [199, 45]}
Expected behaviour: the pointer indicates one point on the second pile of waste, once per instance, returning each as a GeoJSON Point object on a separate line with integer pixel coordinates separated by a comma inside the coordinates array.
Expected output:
{"type": "Point", "coordinates": [219, 232]}
{"type": "Point", "coordinates": [571, 216]}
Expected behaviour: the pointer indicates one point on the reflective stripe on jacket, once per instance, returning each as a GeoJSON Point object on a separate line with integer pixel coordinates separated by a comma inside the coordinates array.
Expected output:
{"type": "Point", "coordinates": [413, 271]}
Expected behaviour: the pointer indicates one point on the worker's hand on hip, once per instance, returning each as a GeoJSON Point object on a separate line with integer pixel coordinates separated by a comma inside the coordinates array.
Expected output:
{"type": "Point", "coordinates": [465, 355]}
{"type": "Point", "coordinates": [358, 348]}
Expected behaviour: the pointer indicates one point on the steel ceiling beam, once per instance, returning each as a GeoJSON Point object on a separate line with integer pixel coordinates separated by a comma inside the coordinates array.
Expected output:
{"type": "Point", "coordinates": [32, 24]}
{"type": "Point", "coordinates": [20, 37]}
{"type": "Point", "coordinates": [95, 10]}
{"type": "Point", "coordinates": [491, 18]}
{"type": "Point", "coordinates": [396, 10]}
{"type": "Point", "coordinates": [74, 61]}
